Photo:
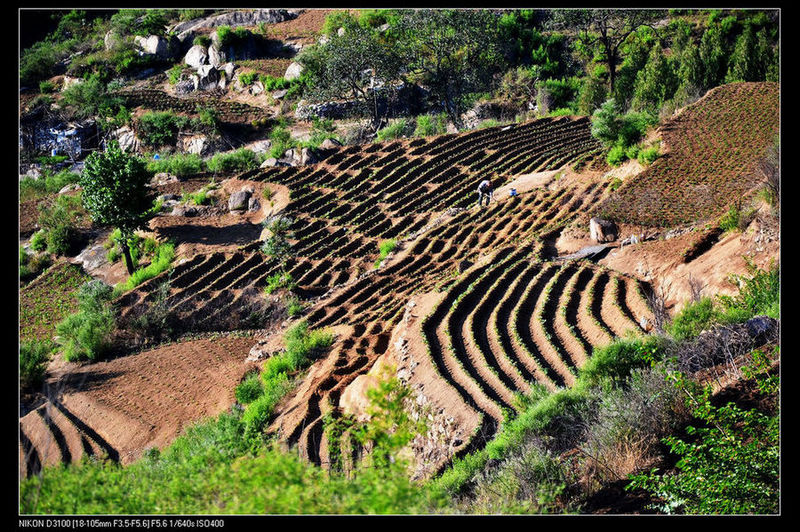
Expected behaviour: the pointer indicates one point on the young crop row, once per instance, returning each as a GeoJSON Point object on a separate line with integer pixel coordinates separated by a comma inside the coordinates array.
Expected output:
{"type": "Point", "coordinates": [715, 146]}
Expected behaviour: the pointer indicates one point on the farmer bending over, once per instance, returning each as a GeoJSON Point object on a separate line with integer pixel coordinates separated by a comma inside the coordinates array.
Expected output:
{"type": "Point", "coordinates": [485, 190]}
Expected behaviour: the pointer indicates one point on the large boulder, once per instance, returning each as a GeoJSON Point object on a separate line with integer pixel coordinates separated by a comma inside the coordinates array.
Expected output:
{"type": "Point", "coordinates": [293, 71]}
{"type": "Point", "coordinates": [602, 230]}
{"type": "Point", "coordinates": [308, 156]}
{"type": "Point", "coordinates": [250, 17]}
{"type": "Point", "coordinates": [216, 56]}
{"type": "Point", "coordinates": [207, 77]}
{"type": "Point", "coordinates": [330, 144]}
{"type": "Point", "coordinates": [196, 57]}
{"type": "Point", "coordinates": [154, 45]}
{"type": "Point", "coordinates": [92, 258]}
{"type": "Point", "coordinates": [239, 201]}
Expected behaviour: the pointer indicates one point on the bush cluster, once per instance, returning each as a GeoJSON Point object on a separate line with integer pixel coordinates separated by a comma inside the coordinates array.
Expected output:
{"type": "Point", "coordinates": [87, 334]}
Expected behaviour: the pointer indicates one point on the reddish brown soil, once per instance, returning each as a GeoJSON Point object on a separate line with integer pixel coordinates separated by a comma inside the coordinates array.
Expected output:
{"type": "Point", "coordinates": [660, 262]}
{"type": "Point", "coordinates": [139, 401]}
{"type": "Point", "coordinates": [215, 228]}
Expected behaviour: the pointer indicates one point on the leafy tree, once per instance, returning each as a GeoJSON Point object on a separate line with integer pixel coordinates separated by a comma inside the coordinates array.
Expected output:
{"type": "Point", "coordinates": [656, 82]}
{"type": "Point", "coordinates": [455, 52]}
{"type": "Point", "coordinates": [607, 29]}
{"type": "Point", "coordinates": [606, 123]}
{"type": "Point", "coordinates": [115, 193]}
{"type": "Point", "coordinates": [352, 65]}
{"type": "Point", "coordinates": [713, 56]}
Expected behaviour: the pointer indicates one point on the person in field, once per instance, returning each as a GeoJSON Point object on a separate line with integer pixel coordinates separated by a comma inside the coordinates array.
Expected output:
{"type": "Point", "coordinates": [485, 190]}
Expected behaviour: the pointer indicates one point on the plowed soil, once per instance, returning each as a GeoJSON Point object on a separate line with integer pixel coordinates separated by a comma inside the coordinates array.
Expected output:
{"type": "Point", "coordinates": [139, 401]}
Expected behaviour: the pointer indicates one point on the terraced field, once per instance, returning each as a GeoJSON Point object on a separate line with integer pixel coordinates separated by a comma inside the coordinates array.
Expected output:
{"type": "Point", "coordinates": [228, 111]}
{"type": "Point", "coordinates": [343, 207]}
{"type": "Point", "coordinates": [714, 146]}
{"type": "Point", "coordinates": [510, 313]}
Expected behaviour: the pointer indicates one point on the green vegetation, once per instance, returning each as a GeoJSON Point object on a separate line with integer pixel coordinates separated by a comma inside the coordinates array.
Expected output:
{"type": "Point", "coordinates": [159, 128]}
{"type": "Point", "coordinates": [279, 280]}
{"type": "Point", "coordinates": [277, 244]}
{"type": "Point", "coordinates": [59, 221]}
{"type": "Point", "coordinates": [303, 345]}
{"type": "Point", "coordinates": [32, 266]}
{"type": "Point", "coordinates": [161, 262]}
{"type": "Point", "coordinates": [730, 460]}
{"type": "Point", "coordinates": [115, 193]}
{"type": "Point", "coordinates": [48, 183]}
{"type": "Point", "coordinates": [430, 125]}
{"type": "Point", "coordinates": [87, 334]}
{"type": "Point", "coordinates": [33, 358]}
{"type": "Point", "coordinates": [249, 389]}
{"type": "Point", "coordinates": [239, 160]}
{"type": "Point", "coordinates": [178, 164]}
{"type": "Point", "coordinates": [384, 248]}
{"type": "Point", "coordinates": [49, 300]}
{"type": "Point", "coordinates": [394, 130]}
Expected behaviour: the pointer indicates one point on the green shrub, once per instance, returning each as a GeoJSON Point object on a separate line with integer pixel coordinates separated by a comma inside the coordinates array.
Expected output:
{"type": "Point", "coordinates": [39, 241]}
{"type": "Point", "coordinates": [239, 160]}
{"type": "Point", "coordinates": [396, 129]}
{"type": "Point", "coordinates": [758, 294]}
{"type": "Point", "coordinates": [31, 266]}
{"type": "Point", "coordinates": [279, 280]}
{"type": "Point", "coordinates": [693, 319]}
{"type": "Point", "coordinates": [247, 78]}
{"type": "Point", "coordinates": [429, 125]}
{"type": "Point", "coordinates": [33, 358]}
{"type": "Point", "coordinates": [294, 307]}
{"type": "Point", "coordinates": [384, 248]}
{"type": "Point", "coordinates": [159, 128]}
{"type": "Point", "coordinates": [730, 221]}
{"type": "Point", "coordinates": [162, 259]}
{"type": "Point", "coordinates": [59, 220]}
{"type": "Point", "coordinates": [249, 389]}
{"type": "Point", "coordinates": [281, 140]}
{"type": "Point", "coordinates": [632, 152]}
{"type": "Point", "coordinates": [489, 122]}
{"type": "Point", "coordinates": [728, 464]}
{"type": "Point", "coordinates": [87, 334]}
{"type": "Point", "coordinates": [174, 73]}
{"type": "Point", "coordinates": [648, 155]}
{"type": "Point", "coordinates": [179, 164]}
{"type": "Point", "coordinates": [47, 87]}
{"type": "Point", "coordinates": [562, 111]}
{"type": "Point", "coordinates": [202, 40]}
{"type": "Point", "coordinates": [616, 156]}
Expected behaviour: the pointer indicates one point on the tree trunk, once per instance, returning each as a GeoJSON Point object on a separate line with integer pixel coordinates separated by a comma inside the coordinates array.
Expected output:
{"type": "Point", "coordinates": [127, 253]}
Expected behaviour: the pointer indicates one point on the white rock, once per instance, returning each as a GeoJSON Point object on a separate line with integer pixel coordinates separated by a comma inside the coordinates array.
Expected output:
{"type": "Point", "coordinates": [293, 71]}
{"type": "Point", "coordinates": [196, 57]}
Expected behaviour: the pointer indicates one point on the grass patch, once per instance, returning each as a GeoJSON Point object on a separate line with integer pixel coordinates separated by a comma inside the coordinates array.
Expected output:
{"type": "Point", "coordinates": [162, 259]}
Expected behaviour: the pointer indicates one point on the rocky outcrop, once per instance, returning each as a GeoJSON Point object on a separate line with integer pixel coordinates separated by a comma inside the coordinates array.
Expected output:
{"type": "Point", "coordinates": [155, 45]}
{"type": "Point", "coordinates": [250, 17]}
{"type": "Point", "coordinates": [602, 230]}
{"type": "Point", "coordinates": [196, 57]}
